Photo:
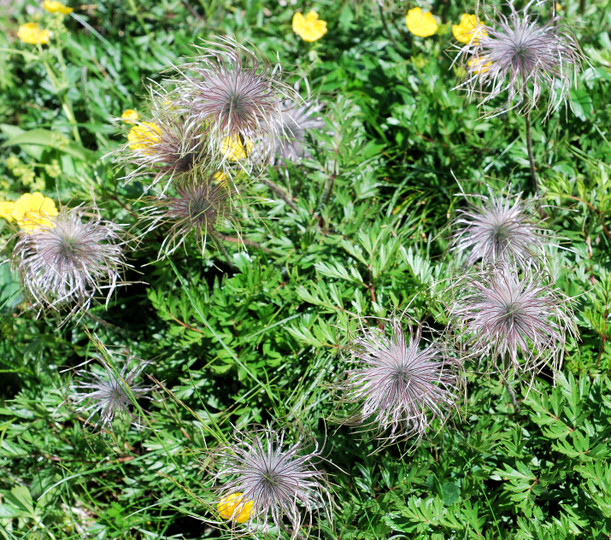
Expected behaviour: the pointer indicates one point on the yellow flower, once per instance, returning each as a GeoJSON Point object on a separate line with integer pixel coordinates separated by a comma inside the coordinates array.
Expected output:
{"type": "Point", "coordinates": [230, 504]}
{"type": "Point", "coordinates": [421, 24]}
{"type": "Point", "coordinates": [233, 149]}
{"type": "Point", "coordinates": [309, 28]}
{"type": "Point", "coordinates": [32, 34]}
{"type": "Point", "coordinates": [33, 211]}
{"type": "Point", "coordinates": [469, 30]}
{"type": "Point", "coordinates": [143, 137]}
{"type": "Point", "coordinates": [220, 177]}
{"type": "Point", "coordinates": [56, 7]}
{"type": "Point", "coordinates": [478, 65]}
{"type": "Point", "coordinates": [129, 115]}
{"type": "Point", "coordinates": [6, 209]}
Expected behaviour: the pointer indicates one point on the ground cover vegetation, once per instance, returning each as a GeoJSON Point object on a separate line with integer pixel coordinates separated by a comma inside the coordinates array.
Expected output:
{"type": "Point", "coordinates": [287, 270]}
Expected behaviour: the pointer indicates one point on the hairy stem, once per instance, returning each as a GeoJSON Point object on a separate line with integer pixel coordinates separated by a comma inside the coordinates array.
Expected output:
{"type": "Point", "coordinates": [386, 28]}
{"type": "Point", "coordinates": [244, 241]}
{"type": "Point", "coordinates": [531, 157]}
{"type": "Point", "coordinates": [512, 395]}
{"type": "Point", "coordinates": [219, 243]}
{"type": "Point", "coordinates": [60, 92]}
{"type": "Point", "coordinates": [280, 192]}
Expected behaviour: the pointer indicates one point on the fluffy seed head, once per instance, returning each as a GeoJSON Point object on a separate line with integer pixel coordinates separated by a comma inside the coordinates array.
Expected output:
{"type": "Point", "coordinates": [523, 57]}
{"type": "Point", "coordinates": [499, 230]}
{"type": "Point", "coordinates": [229, 88]}
{"type": "Point", "coordinates": [174, 147]}
{"type": "Point", "coordinates": [197, 204]}
{"type": "Point", "coordinates": [70, 261]}
{"type": "Point", "coordinates": [280, 479]}
{"type": "Point", "coordinates": [294, 122]}
{"type": "Point", "coordinates": [109, 390]}
{"type": "Point", "coordinates": [505, 316]}
{"type": "Point", "coordinates": [399, 387]}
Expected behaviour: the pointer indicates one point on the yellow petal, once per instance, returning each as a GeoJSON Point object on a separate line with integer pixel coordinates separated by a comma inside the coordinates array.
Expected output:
{"type": "Point", "coordinates": [33, 211]}
{"type": "Point", "coordinates": [129, 115]}
{"type": "Point", "coordinates": [479, 65]}
{"type": "Point", "coordinates": [232, 507]}
{"type": "Point", "coordinates": [233, 149]}
{"type": "Point", "coordinates": [56, 7]}
{"type": "Point", "coordinates": [6, 209]}
{"type": "Point", "coordinates": [421, 24]}
{"type": "Point", "coordinates": [309, 28]}
{"type": "Point", "coordinates": [32, 34]}
{"type": "Point", "coordinates": [469, 30]}
{"type": "Point", "coordinates": [143, 137]}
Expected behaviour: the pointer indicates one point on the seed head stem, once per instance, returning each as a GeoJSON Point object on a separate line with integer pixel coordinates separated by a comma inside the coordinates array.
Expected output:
{"type": "Point", "coordinates": [287, 198]}
{"type": "Point", "coordinates": [531, 157]}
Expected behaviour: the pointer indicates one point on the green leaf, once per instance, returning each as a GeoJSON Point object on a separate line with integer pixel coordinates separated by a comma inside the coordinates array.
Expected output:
{"type": "Point", "coordinates": [52, 139]}
{"type": "Point", "coordinates": [450, 491]}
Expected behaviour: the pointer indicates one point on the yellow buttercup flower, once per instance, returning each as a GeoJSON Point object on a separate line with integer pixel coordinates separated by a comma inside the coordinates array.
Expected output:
{"type": "Point", "coordinates": [129, 116]}
{"type": "Point", "coordinates": [32, 33]}
{"type": "Point", "coordinates": [6, 209]}
{"type": "Point", "coordinates": [33, 211]}
{"type": "Point", "coordinates": [230, 504]}
{"type": "Point", "coordinates": [143, 137]}
{"type": "Point", "coordinates": [309, 28]}
{"type": "Point", "coordinates": [479, 65]}
{"type": "Point", "coordinates": [57, 7]}
{"type": "Point", "coordinates": [421, 24]}
{"type": "Point", "coordinates": [469, 30]}
{"type": "Point", "coordinates": [234, 150]}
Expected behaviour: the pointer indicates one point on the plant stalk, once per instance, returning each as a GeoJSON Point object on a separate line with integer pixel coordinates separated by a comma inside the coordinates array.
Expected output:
{"type": "Point", "coordinates": [386, 28]}
{"type": "Point", "coordinates": [280, 192]}
{"type": "Point", "coordinates": [531, 157]}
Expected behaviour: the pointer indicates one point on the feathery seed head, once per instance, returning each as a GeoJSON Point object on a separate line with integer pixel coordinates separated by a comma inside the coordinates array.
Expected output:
{"type": "Point", "coordinates": [69, 261]}
{"type": "Point", "coordinates": [523, 57]}
{"type": "Point", "coordinates": [197, 204]}
{"type": "Point", "coordinates": [500, 229]}
{"type": "Point", "coordinates": [294, 121]}
{"type": "Point", "coordinates": [232, 90]}
{"type": "Point", "coordinates": [111, 390]}
{"type": "Point", "coordinates": [280, 480]}
{"type": "Point", "coordinates": [503, 316]}
{"type": "Point", "coordinates": [174, 148]}
{"type": "Point", "coordinates": [399, 387]}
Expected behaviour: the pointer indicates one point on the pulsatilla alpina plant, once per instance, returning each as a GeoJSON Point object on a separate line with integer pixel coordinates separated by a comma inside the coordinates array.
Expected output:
{"type": "Point", "coordinates": [168, 148]}
{"type": "Point", "coordinates": [69, 260]}
{"type": "Point", "coordinates": [231, 90]}
{"type": "Point", "coordinates": [523, 56]}
{"type": "Point", "coordinates": [294, 121]}
{"type": "Point", "coordinates": [279, 481]}
{"type": "Point", "coordinates": [398, 386]}
{"type": "Point", "coordinates": [514, 320]}
{"type": "Point", "coordinates": [111, 390]}
{"type": "Point", "coordinates": [198, 203]}
{"type": "Point", "coordinates": [500, 229]}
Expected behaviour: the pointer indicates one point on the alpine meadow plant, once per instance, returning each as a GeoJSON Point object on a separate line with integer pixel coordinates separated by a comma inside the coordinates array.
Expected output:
{"type": "Point", "coordinates": [295, 120]}
{"type": "Point", "coordinates": [69, 261]}
{"type": "Point", "coordinates": [513, 319]}
{"type": "Point", "coordinates": [397, 387]}
{"type": "Point", "coordinates": [168, 148]}
{"type": "Point", "coordinates": [501, 229]}
{"type": "Point", "coordinates": [110, 391]}
{"type": "Point", "coordinates": [196, 204]}
{"type": "Point", "coordinates": [520, 56]}
{"type": "Point", "coordinates": [229, 89]}
{"type": "Point", "coordinates": [275, 486]}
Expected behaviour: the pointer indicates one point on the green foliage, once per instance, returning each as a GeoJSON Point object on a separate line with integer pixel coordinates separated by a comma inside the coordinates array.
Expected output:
{"type": "Point", "coordinates": [256, 328]}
